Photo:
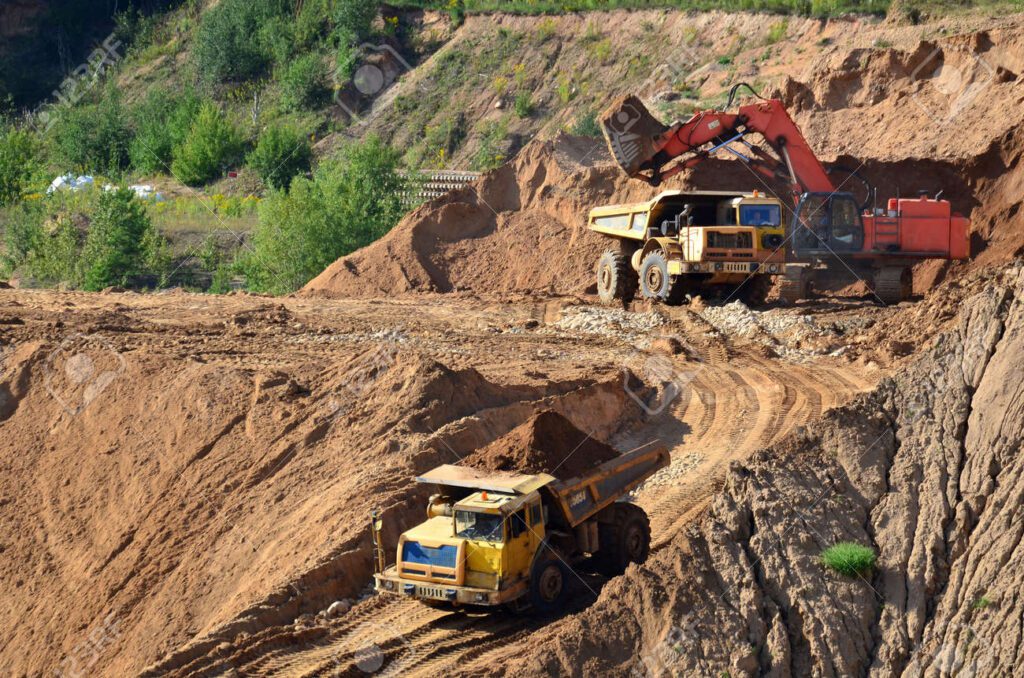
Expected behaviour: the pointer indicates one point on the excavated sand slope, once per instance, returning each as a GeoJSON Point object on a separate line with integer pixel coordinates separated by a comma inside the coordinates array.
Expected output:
{"type": "Point", "coordinates": [926, 469]}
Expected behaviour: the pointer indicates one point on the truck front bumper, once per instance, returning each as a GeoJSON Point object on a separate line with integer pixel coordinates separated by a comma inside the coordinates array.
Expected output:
{"type": "Point", "coordinates": [390, 582]}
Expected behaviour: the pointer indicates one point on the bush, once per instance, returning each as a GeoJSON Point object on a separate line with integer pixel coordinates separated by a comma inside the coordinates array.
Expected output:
{"type": "Point", "coordinates": [524, 105]}
{"type": "Point", "coordinates": [304, 82]}
{"type": "Point", "coordinates": [162, 122]}
{"type": "Point", "coordinates": [17, 162]}
{"type": "Point", "coordinates": [355, 17]}
{"type": "Point", "coordinates": [22, 232]}
{"type": "Point", "coordinates": [849, 558]}
{"type": "Point", "coordinates": [350, 202]}
{"type": "Point", "coordinates": [212, 144]}
{"type": "Point", "coordinates": [121, 244]}
{"type": "Point", "coordinates": [282, 153]}
{"type": "Point", "coordinates": [93, 138]}
{"type": "Point", "coordinates": [586, 126]}
{"type": "Point", "coordinates": [227, 45]}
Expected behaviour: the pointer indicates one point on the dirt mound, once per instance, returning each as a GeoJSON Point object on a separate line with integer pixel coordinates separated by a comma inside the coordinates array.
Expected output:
{"type": "Point", "coordinates": [547, 443]}
{"type": "Point", "coordinates": [925, 471]}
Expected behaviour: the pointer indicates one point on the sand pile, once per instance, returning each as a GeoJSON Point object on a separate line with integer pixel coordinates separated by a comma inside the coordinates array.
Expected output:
{"type": "Point", "coordinates": [546, 443]}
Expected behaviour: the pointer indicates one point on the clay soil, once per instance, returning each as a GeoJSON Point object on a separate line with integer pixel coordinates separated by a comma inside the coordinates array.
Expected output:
{"type": "Point", "coordinates": [187, 480]}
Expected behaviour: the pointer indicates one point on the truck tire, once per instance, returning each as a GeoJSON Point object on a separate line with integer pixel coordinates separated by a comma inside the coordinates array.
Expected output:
{"type": "Point", "coordinates": [549, 583]}
{"type": "Point", "coordinates": [616, 280]}
{"type": "Point", "coordinates": [656, 283]}
{"type": "Point", "coordinates": [893, 284]}
{"type": "Point", "coordinates": [754, 291]}
{"type": "Point", "coordinates": [625, 540]}
{"type": "Point", "coordinates": [794, 285]}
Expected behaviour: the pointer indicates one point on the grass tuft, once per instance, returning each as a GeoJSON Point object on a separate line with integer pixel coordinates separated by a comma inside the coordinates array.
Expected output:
{"type": "Point", "coordinates": [849, 559]}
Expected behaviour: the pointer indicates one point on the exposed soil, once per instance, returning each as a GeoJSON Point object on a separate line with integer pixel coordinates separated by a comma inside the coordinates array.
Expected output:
{"type": "Point", "coordinates": [546, 443]}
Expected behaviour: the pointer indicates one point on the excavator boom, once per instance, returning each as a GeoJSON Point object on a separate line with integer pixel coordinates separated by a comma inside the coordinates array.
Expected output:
{"type": "Point", "coordinates": [647, 149]}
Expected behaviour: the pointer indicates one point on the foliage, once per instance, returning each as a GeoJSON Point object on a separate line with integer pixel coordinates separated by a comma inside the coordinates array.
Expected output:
{"type": "Point", "coordinates": [162, 122]}
{"type": "Point", "coordinates": [524, 105]}
{"type": "Point", "coordinates": [227, 47]}
{"type": "Point", "coordinates": [93, 137]}
{"type": "Point", "coordinates": [849, 558]}
{"type": "Point", "coordinates": [304, 82]}
{"type": "Point", "coordinates": [350, 202]}
{"type": "Point", "coordinates": [491, 151]}
{"type": "Point", "coordinates": [586, 126]}
{"type": "Point", "coordinates": [212, 144]}
{"type": "Point", "coordinates": [121, 243]}
{"type": "Point", "coordinates": [355, 17]}
{"type": "Point", "coordinates": [282, 153]}
{"type": "Point", "coordinates": [18, 154]}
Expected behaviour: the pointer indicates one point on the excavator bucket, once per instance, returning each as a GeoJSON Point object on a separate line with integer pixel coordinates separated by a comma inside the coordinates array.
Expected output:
{"type": "Point", "coordinates": [634, 136]}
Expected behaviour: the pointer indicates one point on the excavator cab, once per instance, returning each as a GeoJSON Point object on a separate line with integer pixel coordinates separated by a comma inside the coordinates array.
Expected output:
{"type": "Point", "coordinates": [827, 222]}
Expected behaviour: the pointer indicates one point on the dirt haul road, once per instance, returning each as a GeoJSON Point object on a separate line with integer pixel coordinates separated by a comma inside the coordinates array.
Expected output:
{"type": "Point", "coordinates": [201, 469]}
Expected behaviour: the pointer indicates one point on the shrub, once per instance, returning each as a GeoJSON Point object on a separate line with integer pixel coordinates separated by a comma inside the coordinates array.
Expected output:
{"type": "Point", "coordinates": [350, 202]}
{"type": "Point", "coordinates": [586, 126]}
{"type": "Point", "coordinates": [491, 152]}
{"type": "Point", "coordinates": [94, 137]}
{"type": "Point", "coordinates": [212, 144]}
{"type": "Point", "coordinates": [22, 233]}
{"type": "Point", "coordinates": [524, 105]}
{"type": "Point", "coordinates": [17, 162]}
{"type": "Point", "coordinates": [304, 82]}
{"type": "Point", "coordinates": [282, 153]}
{"type": "Point", "coordinates": [121, 243]}
{"type": "Point", "coordinates": [849, 558]}
{"type": "Point", "coordinates": [355, 17]}
{"type": "Point", "coordinates": [162, 122]}
{"type": "Point", "coordinates": [228, 47]}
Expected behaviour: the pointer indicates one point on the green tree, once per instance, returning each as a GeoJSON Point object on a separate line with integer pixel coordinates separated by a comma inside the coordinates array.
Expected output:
{"type": "Point", "coordinates": [162, 122]}
{"type": "Point", "coordinates": [94, 137]}
{"type": "Point", "coordinates": [355, 17]}
{"type": "Point", "coordinates": [282, 153]}
{"type": "Point", "coordinates": [212, 144]}
{"type": "Point", "coordinates": [122, 242]}
{"type": "Point", "coordinates": [228, 45]}
{"type": "Point", "coordinates": [18, 151]}
{"type": "Point", "coordinates": [304, 82]}
{"type": "Point", "coordinates": [350, 202]}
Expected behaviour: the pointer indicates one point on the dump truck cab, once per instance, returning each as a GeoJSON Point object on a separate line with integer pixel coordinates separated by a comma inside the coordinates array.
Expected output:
{"type": "Point", "coordinates": [681, 243]}
{"type": "Point", "coordinates": [508, 539]}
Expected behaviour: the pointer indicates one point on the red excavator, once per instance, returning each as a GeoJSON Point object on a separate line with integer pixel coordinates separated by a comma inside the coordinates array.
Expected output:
{"type": "Point", "coordinates": [833, 237]}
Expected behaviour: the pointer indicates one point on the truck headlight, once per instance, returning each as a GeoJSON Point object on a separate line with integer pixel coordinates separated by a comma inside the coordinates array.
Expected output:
{"type": "Point", "coordinates": [481, 598]}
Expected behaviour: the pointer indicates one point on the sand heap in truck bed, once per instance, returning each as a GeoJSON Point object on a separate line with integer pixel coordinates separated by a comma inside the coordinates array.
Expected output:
{"type": "Point", "coordinates": [545, 443]}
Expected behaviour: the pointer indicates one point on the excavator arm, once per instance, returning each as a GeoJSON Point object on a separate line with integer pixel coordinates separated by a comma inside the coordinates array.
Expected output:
{"type": "Point", "coordinates": [647, 149]}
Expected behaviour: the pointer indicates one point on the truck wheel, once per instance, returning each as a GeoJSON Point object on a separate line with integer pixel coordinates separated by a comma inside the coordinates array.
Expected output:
{"type": "Point", "coordinates": [794, 285]}
{"type": "Point", "coordinates": [755, 290]}
{"type": "Point", "coordinates": [615, 279]}
{"type": "Point", "coordinates": [655, 281]}
{"type": "Point", "coordinates": [624, 541]}
{"type": "Point", "coordinates": [894, 284]}
{"type": "Point", "coordinates": [549, 584]}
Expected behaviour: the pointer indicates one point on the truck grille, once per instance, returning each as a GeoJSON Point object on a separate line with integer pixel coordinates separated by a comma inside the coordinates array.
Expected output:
{"type": "Point", "coordinates": [730, 240]}
{"type": "Point", "coordinates": [430, 592]}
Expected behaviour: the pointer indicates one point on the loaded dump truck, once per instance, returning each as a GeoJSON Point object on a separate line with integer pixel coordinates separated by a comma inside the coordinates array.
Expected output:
{"type": "Point", "coordinates": [679, 244]}
{"type": "Point", "coordinates": [504, 538]}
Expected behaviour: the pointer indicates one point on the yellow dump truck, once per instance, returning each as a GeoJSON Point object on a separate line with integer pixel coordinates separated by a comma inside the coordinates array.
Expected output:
{"type": "Point", "coordinates": [510, 539]}
{"type": "Point", "coordinates": [687, 243]}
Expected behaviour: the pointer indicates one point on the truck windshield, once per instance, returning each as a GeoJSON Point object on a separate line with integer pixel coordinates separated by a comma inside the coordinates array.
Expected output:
{"type": "Point", "coordinates": [760, 215]}
{"type": "Point", "coordinates": [473, 525]}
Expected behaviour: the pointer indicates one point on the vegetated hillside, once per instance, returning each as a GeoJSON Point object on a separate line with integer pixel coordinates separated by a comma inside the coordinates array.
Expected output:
{"type": "Point", "coordinates": [926, 471]}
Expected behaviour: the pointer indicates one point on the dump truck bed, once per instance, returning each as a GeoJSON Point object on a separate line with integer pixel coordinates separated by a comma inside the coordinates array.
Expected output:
{"type": "Point", "coordinates": [580, 498]}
